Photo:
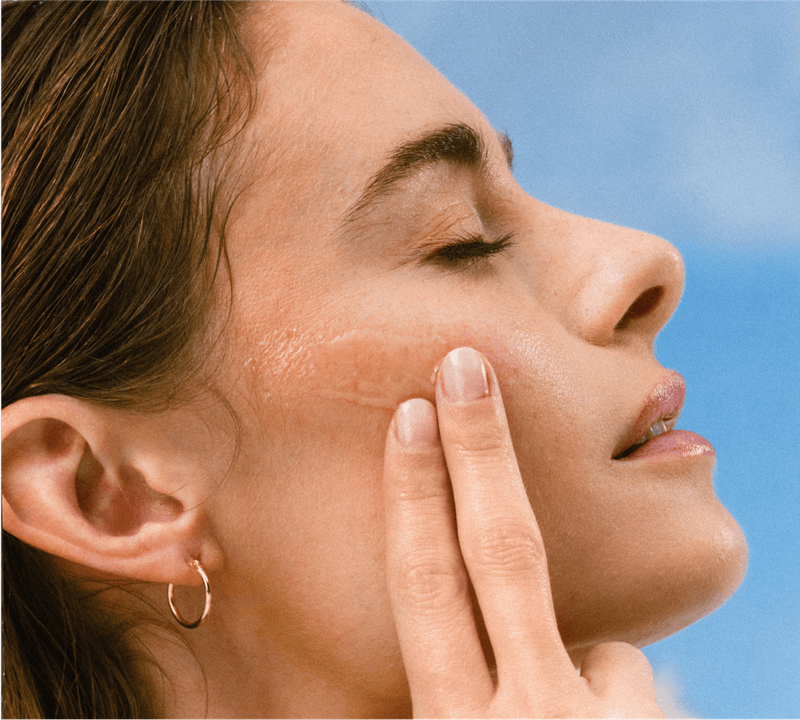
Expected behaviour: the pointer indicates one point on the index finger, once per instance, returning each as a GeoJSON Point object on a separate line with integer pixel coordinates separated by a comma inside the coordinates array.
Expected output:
{"type": "Point", "coordinates": [498, 534]}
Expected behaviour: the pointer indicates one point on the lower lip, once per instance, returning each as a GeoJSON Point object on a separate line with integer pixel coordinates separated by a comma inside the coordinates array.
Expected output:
{"type": "Point", "coordinates": [675, 443]}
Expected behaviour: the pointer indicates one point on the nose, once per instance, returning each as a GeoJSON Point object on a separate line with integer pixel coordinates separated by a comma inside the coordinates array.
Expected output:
{"type": "Point", "coordinates": [621, 284]}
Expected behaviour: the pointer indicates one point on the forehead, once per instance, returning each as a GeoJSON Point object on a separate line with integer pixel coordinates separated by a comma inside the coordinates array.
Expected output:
{"type": "Point", "coordinates": [337, 91]}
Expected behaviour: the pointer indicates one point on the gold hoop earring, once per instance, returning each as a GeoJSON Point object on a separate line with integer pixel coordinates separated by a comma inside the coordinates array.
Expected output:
{"type": "Point", "coordinates": [171, 598]}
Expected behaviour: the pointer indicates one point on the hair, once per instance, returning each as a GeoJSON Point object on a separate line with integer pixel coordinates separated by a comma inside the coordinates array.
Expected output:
{"type": "Point", "coordinates": [117, 121]}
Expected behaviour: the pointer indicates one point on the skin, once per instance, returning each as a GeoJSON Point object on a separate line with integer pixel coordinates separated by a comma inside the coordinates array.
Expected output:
{"type": "Point", "coordinates": [333, 326]}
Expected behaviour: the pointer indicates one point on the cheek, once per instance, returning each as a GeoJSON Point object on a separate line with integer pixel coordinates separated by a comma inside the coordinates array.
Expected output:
{"type": "Point", "coordinates": [557, 397]}
{"type": "Point", "coordinates": [330, 382]}
{"type": "Point", "coordinates": [372, 368]}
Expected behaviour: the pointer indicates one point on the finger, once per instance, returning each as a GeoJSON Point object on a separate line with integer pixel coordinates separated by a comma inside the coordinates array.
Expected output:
{"type": "Point", "coordinates": [497, 531]}
{"type": "Point", "coordinates": [428, 583]}
{"type": "Point", "coordinates": [619, 671]}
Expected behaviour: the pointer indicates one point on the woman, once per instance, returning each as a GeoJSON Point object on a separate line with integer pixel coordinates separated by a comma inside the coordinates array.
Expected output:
{"type": "Point", "coordinates": [272, 295]}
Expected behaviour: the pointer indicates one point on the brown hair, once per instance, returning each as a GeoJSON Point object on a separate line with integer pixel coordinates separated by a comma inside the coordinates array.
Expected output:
{"type": "Point", "coordinates": [117, 119]}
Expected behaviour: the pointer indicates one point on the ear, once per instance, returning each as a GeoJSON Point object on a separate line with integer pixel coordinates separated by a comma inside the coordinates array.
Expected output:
{"type": "Point", "coordinates": [106, 489]}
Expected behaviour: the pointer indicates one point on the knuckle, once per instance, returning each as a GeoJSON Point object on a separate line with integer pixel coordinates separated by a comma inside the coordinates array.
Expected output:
{"type": "Point", "coordinates": [430, 584]}
{"type": "Point", "coordinates": [480, 440]}
{"type": "Point", "coordinates": [508, 549]}
{"type": "Point", "coordinates": [486, 460]}
{"type": "Point", "coordinates": [422, 492]}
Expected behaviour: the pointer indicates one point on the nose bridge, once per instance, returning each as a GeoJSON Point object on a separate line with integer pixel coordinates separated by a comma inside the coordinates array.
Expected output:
{"type": "Point", "coordinates": [628, 283]}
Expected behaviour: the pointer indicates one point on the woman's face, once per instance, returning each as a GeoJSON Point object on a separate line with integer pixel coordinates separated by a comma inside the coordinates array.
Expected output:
{"type": "Point", "coordinates": [365, 167]}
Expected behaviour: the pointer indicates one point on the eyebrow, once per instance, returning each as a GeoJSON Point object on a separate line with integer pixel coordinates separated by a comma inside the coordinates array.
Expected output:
{"type": "Point", "coordinates": [457, 144]}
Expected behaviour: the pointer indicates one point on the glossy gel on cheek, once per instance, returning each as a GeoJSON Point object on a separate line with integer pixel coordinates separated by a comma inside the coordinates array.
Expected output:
{"type": "Point", "coordinates": [369, 367]}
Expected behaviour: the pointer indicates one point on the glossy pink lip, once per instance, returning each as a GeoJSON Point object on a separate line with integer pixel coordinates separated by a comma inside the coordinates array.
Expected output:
{"type": "Point", "coordinates": [663, 403]}
{"type": "Point", "coordinates": [675, 443]}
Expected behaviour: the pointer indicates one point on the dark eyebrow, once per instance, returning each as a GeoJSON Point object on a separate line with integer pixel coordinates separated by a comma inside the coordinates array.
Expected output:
{"type": "Point", "coordinates": [458, 144]}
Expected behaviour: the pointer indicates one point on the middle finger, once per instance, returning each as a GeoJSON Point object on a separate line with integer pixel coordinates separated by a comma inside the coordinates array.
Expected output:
{"type": "Point", "coordinates": [498, 533]}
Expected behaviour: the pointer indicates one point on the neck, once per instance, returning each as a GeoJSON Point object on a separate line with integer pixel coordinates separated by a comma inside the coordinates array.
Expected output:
{"type": "Point", "coordinates": [217, 670]}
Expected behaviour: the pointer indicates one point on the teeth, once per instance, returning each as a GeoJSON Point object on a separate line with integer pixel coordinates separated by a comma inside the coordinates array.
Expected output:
{"type": "Point", "coordinates": [657, 428]}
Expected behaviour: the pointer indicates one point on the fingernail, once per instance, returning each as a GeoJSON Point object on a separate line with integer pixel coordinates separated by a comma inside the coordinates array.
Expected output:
{"type": "Point", "coordinates": [416, 424]}
{"type": "Point", "coordinates": [464, 376]}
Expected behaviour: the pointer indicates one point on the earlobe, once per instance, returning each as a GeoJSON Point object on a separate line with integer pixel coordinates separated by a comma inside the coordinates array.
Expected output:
{"type": "Point", "coordinates": [84, 482]}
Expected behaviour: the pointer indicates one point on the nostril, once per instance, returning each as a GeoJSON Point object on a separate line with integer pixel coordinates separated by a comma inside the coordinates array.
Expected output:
{"type": "Point", "coordinates": [643, 305]}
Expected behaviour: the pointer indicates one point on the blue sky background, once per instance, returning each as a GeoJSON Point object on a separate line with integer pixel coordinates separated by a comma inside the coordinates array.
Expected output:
{"type": "Point", "coordinates": [681, 119]}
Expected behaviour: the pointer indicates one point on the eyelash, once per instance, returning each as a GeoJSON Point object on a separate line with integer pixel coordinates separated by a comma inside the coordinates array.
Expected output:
{"type": "Point", "coordinates": [469, 251]}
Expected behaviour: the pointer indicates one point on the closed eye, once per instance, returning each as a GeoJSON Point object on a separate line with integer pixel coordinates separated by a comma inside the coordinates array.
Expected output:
{"type": "Point", "coordinates": [468, 251]}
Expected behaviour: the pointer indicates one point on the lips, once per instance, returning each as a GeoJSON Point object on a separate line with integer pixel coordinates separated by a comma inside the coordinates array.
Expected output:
{"type": "Point", "coordinates": [653, 432]}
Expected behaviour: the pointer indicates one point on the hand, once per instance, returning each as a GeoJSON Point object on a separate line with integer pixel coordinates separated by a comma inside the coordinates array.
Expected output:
{"type": "Point", "coordinates": [455, 462]}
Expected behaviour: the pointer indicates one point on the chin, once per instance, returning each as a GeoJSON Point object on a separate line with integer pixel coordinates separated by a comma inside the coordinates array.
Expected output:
{"type": "Point", "coordinates": [643, 599]}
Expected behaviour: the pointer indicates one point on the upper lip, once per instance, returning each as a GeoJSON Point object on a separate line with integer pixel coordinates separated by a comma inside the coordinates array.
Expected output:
{"type": "Point", "coordinates": [663, 403]}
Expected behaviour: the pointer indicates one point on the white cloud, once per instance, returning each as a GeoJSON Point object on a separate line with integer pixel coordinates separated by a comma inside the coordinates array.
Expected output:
{"type": "Point", "coordinates": [729, 154]}
{"type": "Point", "coordinates": [671, 693]}
{"type": "Point", "coordinates": [739, 172]}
